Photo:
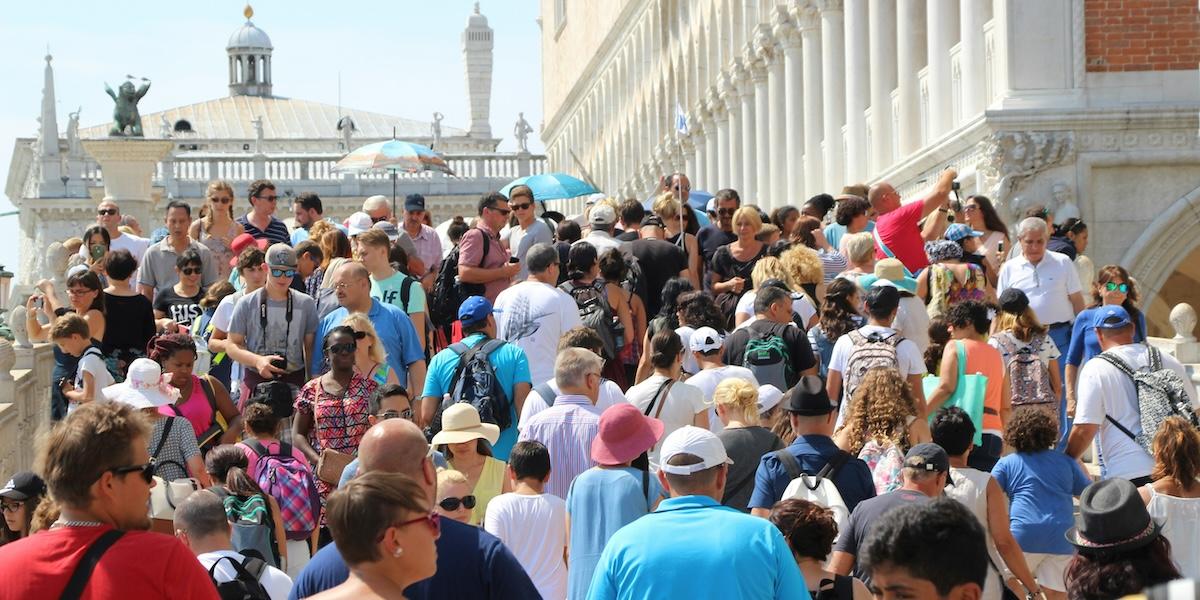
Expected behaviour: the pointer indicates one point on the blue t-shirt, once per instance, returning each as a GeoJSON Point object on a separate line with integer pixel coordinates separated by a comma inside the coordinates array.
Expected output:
{"type": "Point", "coordinates": [394, 328]}
{"type": "Point", "coordinates": [834, 233]}
{"type": "Point", "coordinates": [1085, 344]}
{"type": "Point", "coordinates": [853, 480]}
{"type": "Point", "coordinates": [600, 502]}
{"type": "Point", "coordinates": [511, 366]}
{"type": "Point", "coordinates": [471, 563]}
{"type": "Point", "coordinates": [1040, 488]}
{"type": "Point", "coordinates": [692, 547]}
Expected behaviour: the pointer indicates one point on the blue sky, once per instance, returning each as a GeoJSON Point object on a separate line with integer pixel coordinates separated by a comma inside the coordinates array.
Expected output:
{"type": "Point", "coordinates": [401, 58]}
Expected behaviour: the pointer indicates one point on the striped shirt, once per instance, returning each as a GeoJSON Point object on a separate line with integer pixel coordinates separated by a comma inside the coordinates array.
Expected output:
{"type": "Point", "coordinates": [567, 430]}
{"type": "Point", "coordinates": [276, 233]}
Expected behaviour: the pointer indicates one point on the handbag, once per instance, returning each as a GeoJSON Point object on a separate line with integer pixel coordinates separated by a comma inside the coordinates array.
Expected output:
{"type": "Point", "coordinates": [166, 495]}
{"type": "Point", "coordinates": [968, 395]}
{"type": "Point", "coordinates": [331, 464]}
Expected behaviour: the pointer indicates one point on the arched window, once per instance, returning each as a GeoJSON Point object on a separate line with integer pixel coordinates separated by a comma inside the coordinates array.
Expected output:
{"type": "Point", "coordinates": [183, 125]}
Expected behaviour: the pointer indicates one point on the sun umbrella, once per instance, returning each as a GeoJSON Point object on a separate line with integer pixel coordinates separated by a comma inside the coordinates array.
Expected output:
{"type": "Point", "coordinates": [552, 186]}
{"type": "Point", "coordinates": [393, 156]}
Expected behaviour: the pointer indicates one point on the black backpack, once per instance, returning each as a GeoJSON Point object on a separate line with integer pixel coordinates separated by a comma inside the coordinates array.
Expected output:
{"type": "Point", "coordinates": [475, 382]}
{"type": "Point", "coordinates": [595, 313]}
{"type": "Point", "coordinates": [246, 586]}
{"type": "Point", "coordinates": [448, 291]}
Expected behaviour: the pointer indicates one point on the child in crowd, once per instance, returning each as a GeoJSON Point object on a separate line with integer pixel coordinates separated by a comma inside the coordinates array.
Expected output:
{"type": "Point", "coordinates": [513, 516]}
{"type": "Point", "coordinates": [454, 498]}
{"type": "Point", "coordinates": [72, 336]}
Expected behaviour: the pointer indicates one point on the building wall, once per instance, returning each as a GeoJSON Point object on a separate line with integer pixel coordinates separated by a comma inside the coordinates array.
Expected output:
{"type": "Point", "coordinates": [573, 32]}
{"type": "Point", "coordinates": [1142, 35]}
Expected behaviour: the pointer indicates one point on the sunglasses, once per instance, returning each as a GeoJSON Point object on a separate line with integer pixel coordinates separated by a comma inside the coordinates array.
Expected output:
{"type": "Point", "coordinates": [146, 470]}
{"type": "Point", "coordinates": [191, 270]}
{"type": "Point", "coordinates": [78, 291]}
{"type": "Point", "coordinates": [503, 211]}
{"type": "Point", "coordinates": [11, 507]}
{"type": "Point", "coordinates": [453, 503]}
{"type": "Point", "coordinates": [1117, 287]}
{"type": "Point", "coordinates": [347, 348]}
{"type": "Point", "coordinates": [268, 198]}
{"type": "Point", "coordinates": [360, 335]}
{"type": "Point", "coordinates": [106, 212]}
{"type": "Point", "coordinates": [393, 414]}
{"type": "Point", "coordinates": [520, 206]}
{"type": "Point", "coordinates": [726, 212]}
{"type": "Point", "coordinates": [433, 520]}
{"type": "Point", "coordinates": [283, 272]}
{"type": "Point", "coordinates": [222, 200]}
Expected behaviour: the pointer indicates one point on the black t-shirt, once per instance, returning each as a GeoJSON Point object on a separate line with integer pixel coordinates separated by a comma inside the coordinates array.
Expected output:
{"type": "Point", "coordinates": [726, 267]}
{"type": "Point", "coordinates": [745, 446]}
{"type": "Point", "coordinates": [132, 327]}
{"type": "Point", "coordinates": [660, 261]}
{"type": "Point", "coordinates": [796, 339]}
{"type": "Point", "coordinates": [712, 237]}
{"type": "Point", "coordinates": [862, 520]}
{"type": "Point", "coordinates": [181, 309]}
{"type": "Point", "coordinates": [1062, 245]}
{"type": "Point", "coordinates": [628, 236]}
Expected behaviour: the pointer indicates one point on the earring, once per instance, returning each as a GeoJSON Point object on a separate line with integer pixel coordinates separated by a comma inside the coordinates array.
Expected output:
{"type": "Point", "coordinates": [398, 552]}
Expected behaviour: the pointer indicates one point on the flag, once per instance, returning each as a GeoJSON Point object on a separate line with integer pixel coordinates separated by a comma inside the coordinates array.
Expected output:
{"type": "Point", "coordinates": [681, 121]}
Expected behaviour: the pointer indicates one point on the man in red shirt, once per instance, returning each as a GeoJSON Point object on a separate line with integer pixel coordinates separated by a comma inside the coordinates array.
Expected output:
{"type": "Point", "coordinates": [896, 226]}
{"type": "Point", "coordinates": [97, 467]}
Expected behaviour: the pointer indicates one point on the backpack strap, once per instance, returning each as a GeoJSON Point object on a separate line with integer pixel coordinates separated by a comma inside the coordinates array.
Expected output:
{"type": "Point", "coordinates": [162, 441]}
{"type": "Point", "coordinates": [1121, 427]}
{"type": "Point", "coordinates": [835, 464]}
{"type": "Point", "coordinates": [1117, 362]}
{"type": "Point", "coordinates": [207, 387]}
{"type": "Point", "coordinates": [659, 394]}
{"type": "Point", "coordinates": [789, 462]}
{"type": "Point", "coordinates": [406, 292]}
{"type": "Point", "coordinates": [1155, 358]}
{"type": "Point", "coordinates": [87, 564]}
{"type": "Point", "coordinates": [545, 392]}
{"type": "Point", "coordinates": [255, 566]}
{"type": "Point", "coordinates": [244, 574]}
{"type": "Point", "coordinates": [257, 448]}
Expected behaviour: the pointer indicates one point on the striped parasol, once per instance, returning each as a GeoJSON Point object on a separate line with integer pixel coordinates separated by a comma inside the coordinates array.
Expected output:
{"type": "Point", "coordinates": [396, 156]}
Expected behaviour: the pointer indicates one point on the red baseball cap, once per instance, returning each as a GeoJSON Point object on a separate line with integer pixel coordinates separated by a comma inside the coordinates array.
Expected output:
{"type": "Point", "coordinates": [242, 242]}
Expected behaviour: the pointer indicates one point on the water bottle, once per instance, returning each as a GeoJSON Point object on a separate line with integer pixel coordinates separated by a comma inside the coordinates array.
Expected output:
{"type": "Point", "coordinates": [203, 356]}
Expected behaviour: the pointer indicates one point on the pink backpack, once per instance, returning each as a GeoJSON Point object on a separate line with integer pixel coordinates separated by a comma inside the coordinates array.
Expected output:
{"type": "Point", "coordinates": [290, 482]}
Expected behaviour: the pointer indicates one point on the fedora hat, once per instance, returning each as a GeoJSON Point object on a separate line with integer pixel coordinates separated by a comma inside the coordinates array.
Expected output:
{"type": "Point", "coordinates": [1112, 516]}
{"type": "Point", "coordinates": [460, 423]}
{"type": "Point", "coordinates": [624, 434]}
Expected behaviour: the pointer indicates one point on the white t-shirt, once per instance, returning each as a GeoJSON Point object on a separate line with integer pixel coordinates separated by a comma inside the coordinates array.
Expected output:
{"type": "Point", "coordinates": [801, 306]}
{"type": "Point", "coordinates": [689, 361]}
{"type": "Point", "coordinates": [912, 322]}
{"type": "Point", "coordinates": [276, 582]}
{"type": "Point", "coordinates": [679, 408]}
{"type": "Point", "coordinates": [1046, 353]}
{"type": "Point", "coordinates": [708, 379]}
{"type": "Point", "coordinates": [92, 362]}
{"type": "Point", "coordinates": [135, 245]}
{"type": "Point", "coordinates": [535, 530]}
{"type": "Point", "coordinates": [610, 394]}
{"type": "Point", "coordinates": [222, 319]}
{"type": "Point", "coordinates": [1105, 391]}
{"type": "Point", "coordinates": [1048, 285]}
{"type": "Point", "coordinates": [908, 356]}
{"type": "Point", "coordinates": [533, 316]}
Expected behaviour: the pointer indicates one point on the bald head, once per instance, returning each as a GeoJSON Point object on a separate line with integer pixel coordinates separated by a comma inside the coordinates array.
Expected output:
{"type": "Point", "coordinates": [353, 270]}
{"type": "Point", "coordinates": [393, 446]}
{"type": "Point", "coordinates": [880, 196]}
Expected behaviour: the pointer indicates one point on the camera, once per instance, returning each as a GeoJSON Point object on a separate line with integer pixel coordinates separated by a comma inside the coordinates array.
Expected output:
{"type": "Point", "coordinates": [279, 363]}
{"type": "Point", "coordinates": [955, 186]}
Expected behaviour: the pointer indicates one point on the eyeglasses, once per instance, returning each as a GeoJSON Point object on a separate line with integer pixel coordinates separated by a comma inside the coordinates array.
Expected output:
{"type": "Point", "coordinates": [105, 212]}
{"type": "Point", "coordinates": [147, 471]}
{"type": "Point", "coordinates": [347, 348]}
{"type": "Point", "coordinates": [78, 291]}
{"type": "Point", "coordinates": [222, 200]}
{"type": "Point", "coordinates": [503, 211]}
{"type": "Point", "coordinates": [1113, 286]}
{"type": "Point", "coordinates": [726, 212]}
{"type": "Point", "coordinates": [11, 507]}
{"type": "Point", "coordinates": [268, 198]}
{"type": "Point", "coordinates": [433, 520]}
{"type": "Point", "coordinates": [283, 272]}
{"type": "Point", "coordinates": [394, 414]}
{"type": "Point", "coordinates": [191, 271]}
{"type": "Point", "coordinates": [453, 503]}
{"type": "Point", "coordinates": [520, 206]}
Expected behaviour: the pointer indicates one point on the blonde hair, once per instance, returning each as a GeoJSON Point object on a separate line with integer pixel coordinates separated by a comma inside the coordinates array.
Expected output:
{"type": "Point", "coordinates": [860, 247]}
{"type": "Point", "coordinates": [450, 477]}
{"type": "Point", "coordinates": [359, 322]}
{"type": "Point", "coordinates": [879, 410]}
{"type": "Point", "coordinates": [769, 267]}
{"type": "Point", "coordinates": [748, 214]}
{"type": "Point", "coordinates": [216, 185]}
{"type": "Point", "coordinates": [740, 399]}
{"type": "Point", "coordinates": [803, 264]}
{"type": "Point", "coordinates": [1023, 326]}
{"type": "Point", "coordinates": [666, 206]}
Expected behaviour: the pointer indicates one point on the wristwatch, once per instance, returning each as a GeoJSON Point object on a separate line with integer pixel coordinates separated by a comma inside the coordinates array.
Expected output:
{"type": "Point", "coordinates": [943, 210]}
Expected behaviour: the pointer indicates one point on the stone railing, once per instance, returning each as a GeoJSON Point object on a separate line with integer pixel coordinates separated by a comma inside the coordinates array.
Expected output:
{"type": "Point", "coordinates": [1184, 346]}
{"type": "Point", "coordinates": [24, 403]}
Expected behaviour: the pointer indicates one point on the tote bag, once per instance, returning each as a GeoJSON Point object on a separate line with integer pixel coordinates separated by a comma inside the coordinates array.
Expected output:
{"type": "Point", "coordinates": [969, 395]}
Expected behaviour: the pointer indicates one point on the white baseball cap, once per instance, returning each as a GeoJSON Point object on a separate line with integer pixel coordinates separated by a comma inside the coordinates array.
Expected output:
{"type": "Point", "coordinates": [697, 442]}
{"type": "Point", "coordinates": [358, 222]}
{"type": "Point", "coordinates": [705, 339]}
{"type": "Point", "coordinates": [769, 397]}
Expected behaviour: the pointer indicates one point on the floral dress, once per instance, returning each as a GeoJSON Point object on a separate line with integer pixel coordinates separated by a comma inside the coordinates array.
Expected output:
{"type": "Point", "coordinates": [339, 420]}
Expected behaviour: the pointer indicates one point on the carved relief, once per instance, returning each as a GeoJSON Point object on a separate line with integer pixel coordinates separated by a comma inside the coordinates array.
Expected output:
{"type": "Point", "coordinates": [1009, 159]}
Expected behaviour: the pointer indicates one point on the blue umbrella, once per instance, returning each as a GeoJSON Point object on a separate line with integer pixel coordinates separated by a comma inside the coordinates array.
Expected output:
{"type": "Point", "coordinates": [552, 186]}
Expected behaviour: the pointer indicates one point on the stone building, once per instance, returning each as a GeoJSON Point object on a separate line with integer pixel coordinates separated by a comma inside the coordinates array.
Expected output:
{"type": "Point", "coordinates": [1082, 105]}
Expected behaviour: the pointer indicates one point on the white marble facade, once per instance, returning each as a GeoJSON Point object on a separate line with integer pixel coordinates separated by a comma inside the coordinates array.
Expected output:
{"type": "Point", "coordinates": [871, 90]}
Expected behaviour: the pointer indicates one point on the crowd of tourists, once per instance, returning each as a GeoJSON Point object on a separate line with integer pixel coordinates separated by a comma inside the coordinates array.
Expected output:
{"type": "Point", "coordinates": [856, 396]}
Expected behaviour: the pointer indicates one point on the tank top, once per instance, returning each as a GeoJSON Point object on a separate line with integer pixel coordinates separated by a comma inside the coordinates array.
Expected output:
{"type": "Point", "coordinates": [195, 409]}
{"type": "Point", "coordinates": [986, 360]}
{"type": "Point", "coordinates": [970, 489]}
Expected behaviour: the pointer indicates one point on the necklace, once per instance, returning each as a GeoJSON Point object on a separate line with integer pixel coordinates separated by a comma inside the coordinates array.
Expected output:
{"type": "Point", "coordinates": [61, 523]}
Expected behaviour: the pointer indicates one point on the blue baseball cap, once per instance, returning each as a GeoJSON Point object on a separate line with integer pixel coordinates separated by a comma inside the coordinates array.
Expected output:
{"type": "Point", "coordinates": [474, 310]}
{"type": "Point", "coordinates": [1111, 317]}
{"type": "Point", "coordinates": [958, 231]}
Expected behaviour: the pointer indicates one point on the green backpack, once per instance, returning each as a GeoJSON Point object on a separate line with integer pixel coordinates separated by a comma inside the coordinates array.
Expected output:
{"type": "Point", "coordinates": [767, 356]}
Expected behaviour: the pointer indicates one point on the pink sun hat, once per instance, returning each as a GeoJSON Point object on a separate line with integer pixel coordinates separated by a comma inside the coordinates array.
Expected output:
{"type": "Point", "coordinates": [624, 434]}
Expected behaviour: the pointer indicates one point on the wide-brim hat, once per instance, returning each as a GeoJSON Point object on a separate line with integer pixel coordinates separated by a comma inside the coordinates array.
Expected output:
{"type": "Point", "coordinates": [460, 423]}
{"type": "Point", "coordinates": [892, 270]}
{"type": "Point", "coordinates": [624, 434]}
{"type": "Point", "coordinates": [144, 387]}
{"type": "Point", "coordinates": [1112, 517]}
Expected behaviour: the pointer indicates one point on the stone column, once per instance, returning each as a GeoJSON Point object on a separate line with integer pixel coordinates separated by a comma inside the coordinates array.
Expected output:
{"type": "Point", "coordinates": [833, 88]}
{"type": "Point", "coordinates": [713, 181]}
{"type": "Point", "coordinates": [746, 159]}
{"type": "Point", "coordinates": [810, 35]}
{"type": "Point", "coordinates": [881, 28]}
{"type": "Point", "coordinates": [699, 172]}
{"type": "Point", "coordinates": [128, 165]}
{"type": "Point", "coordinates": [729, 96]}
{"type": "Point", "coordinates": [910, 58]}
{"type": "Point", "coordinates": [793, 94]}
{"type": "Point", "coordinates": [858, 86]}
{"type": "Point", "coordinates": [943, 34]}
{"type": "Point", "coordinates": [722, 172]}
{"type": "Point", "coordinates": [762, 133]}
{"type": "Point", "coordinates": [777, 126]}
{"type": "Point", "coordinates": [972, 18]}
{"type": "Point", "coordinates": [687, 150]}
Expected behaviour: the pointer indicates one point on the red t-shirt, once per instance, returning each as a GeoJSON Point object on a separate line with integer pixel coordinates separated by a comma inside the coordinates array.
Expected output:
{"type": "Point", "coordinates": [898, 229]}
{"type": "Point", "coordinates": [139, 565]}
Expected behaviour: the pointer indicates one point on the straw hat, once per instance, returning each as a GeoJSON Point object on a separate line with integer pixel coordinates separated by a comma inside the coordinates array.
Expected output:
{"type": "Point", "coordinates": [144, 387]}
{"type": "Point", "coordinates": [460, 423]}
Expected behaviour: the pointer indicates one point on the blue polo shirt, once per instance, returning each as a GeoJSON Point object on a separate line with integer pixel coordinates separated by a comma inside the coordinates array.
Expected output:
{"type": "Point", "coordinates": [394, 328]}
{"type": "Point", "coordinates": [471, 563]}
{"type": "Point", "coordinates": [853, 480]}
{"type": "Point", "coordinates": [699, 549]}
{"type": "Point", "coordinates": [511, 366]}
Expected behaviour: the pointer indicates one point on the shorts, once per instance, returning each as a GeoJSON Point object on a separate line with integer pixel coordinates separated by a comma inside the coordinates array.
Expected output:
{"type": "Point", "coordinates": [1049, 569]}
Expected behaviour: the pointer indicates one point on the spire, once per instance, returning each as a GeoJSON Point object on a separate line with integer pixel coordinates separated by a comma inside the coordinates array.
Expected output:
{"type": "Point", "coordinates": [48, 131]}
{"type": "Point", "coordinates": [477, 54]}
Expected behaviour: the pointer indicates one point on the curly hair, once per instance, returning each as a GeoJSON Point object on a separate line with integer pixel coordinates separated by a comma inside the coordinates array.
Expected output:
{"type": "Point", "coordinates": [880, 409]}
{"type": "Point", "coordinates": [700, 310]}
{"type": "Point", "coordinates": [838, 312]}
{"type": "Point", "coordinates": [740, 399]}
{"type": "Point", "coordinates": [808, 527]}
{"type": "Point", "coordinates": [1031, 431]}
{"type": "Point", "coordinates": [769, 267]}
{"type": "Point", "coordinates": [803, 264]}
{"type": "Point", "coordinates": [1177, 452]}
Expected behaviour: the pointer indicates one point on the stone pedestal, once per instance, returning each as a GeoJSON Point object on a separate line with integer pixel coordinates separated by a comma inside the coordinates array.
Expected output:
{"type": "Point", "coordinates": [129, 166]}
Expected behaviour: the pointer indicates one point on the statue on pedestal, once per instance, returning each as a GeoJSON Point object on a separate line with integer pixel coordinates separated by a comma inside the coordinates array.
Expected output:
{"type": "Point", "coordinates": [521, 131]}
{"type": "Point", "coordinates": [258, 134]}
{"type": "Point", "coordinates": [126, 120]}
{"type": "Point", "coordinates": [347, 127]}
{"type": "Point", "coordinates": [436, 128]}
{"type": "Point", "coordinates": [74, 148]}
{"type": "Point", "coordinates": [164, 127]}
{"type": "Point", "coordinates": [1064, 202]}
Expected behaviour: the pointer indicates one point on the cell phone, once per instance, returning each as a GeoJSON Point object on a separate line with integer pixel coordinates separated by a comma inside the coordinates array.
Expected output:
{"type": "Point", "coordinates": [1000, 248]}
{"type": "Point", "coordinates": [39, 302]}
{"type": "Point", "coordinates": [513, 259]}
{"type": "Point", "coordinates": [279, 363]}
{"type": "Point", "coordinates": [954, 185]}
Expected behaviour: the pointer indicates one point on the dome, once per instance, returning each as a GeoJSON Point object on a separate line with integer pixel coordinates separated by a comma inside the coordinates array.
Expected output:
{"type": "Point", "coordinates": [477, 20]}
{"type": "Point", "coordinates": [249, 36]}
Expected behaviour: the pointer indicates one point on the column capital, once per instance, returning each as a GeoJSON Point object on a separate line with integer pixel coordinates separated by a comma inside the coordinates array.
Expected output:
{"type": "Point", "coordinates": [729, 93]}
{"type": "Point", "coordinates": [713, 103]}
{"type": "Point", "coordinates": [764, 44]}
{"type": "Point", "coordinates": [830, 5]}
{"type": "Point", "coordinates": [806, 15]}
{"type": "Point", "coordinates": [740, 76]}
{"type": "Point", "coordinates": [783, 29]}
